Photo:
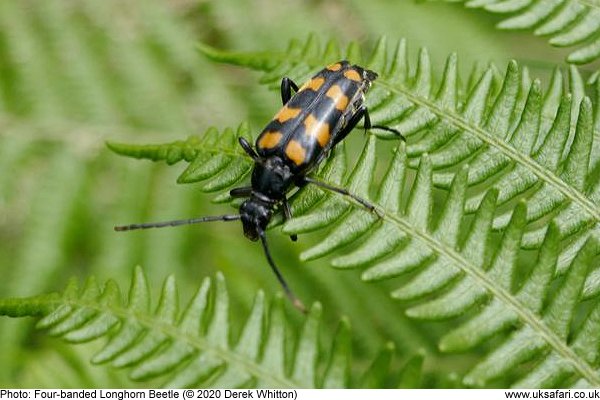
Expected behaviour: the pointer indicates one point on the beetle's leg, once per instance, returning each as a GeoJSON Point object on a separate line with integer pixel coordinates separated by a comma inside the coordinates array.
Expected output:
{"type": "Point", "coordinates": [286, 89]}
{"type": "Point", "coordinates": [365, 203]}
{"type": "Point", "coordinates": [248, 149]}
{"type": "Point", "coordinates": [287, 215]}
{"type": "Point", "coordinates": [367, 121]}
{"type": "Point", "coordinates": [352, 122]}
{"type": "Point", "coordinates": [245, 191]}
{"type": "Point", "coordinates": [368, 126]}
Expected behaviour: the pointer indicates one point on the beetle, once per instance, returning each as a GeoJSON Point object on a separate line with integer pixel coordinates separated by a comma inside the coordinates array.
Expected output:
{"type": "Point", "coordinates": [320, 114]}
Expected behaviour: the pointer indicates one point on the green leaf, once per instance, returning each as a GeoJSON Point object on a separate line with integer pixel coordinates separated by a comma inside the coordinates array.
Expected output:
{"type": "Point", "coordinates": [568, 24]}
{"type": "Point", "coordinates": [337, 374]}
{"type": "Point", "coordinates": [411, 373]}
{"type": "Point", "coordinates": [377, 374]}
{"type": "Point", "coordinates": [510, 138]}
{"type": "Point", "coordinates": [524, 344]}
{"type": "Point", "coordinates": [215, 158]}
{"type": "Point", "coordinates": [514, 157]}
{"type": "Point", "coordinates": [192, 347]}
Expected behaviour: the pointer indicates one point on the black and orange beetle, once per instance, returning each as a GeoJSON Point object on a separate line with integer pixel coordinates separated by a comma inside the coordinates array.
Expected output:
{"type": "Point", "coordinates": [317, 117]}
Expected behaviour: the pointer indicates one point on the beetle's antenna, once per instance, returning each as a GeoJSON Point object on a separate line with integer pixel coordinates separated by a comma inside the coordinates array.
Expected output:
{"type": "Point", "coordinates": [295, 301]}
{"type": "Point", "coordinates": [178, 222]}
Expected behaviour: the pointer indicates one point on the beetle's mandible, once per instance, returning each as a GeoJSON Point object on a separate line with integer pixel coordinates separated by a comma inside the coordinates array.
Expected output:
{"type": "Point", "coordinates": [320, 114]}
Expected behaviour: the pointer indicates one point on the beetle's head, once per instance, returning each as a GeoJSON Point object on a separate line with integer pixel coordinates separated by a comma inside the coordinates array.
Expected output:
{"type": "Point", "coordinates": [255, 215]}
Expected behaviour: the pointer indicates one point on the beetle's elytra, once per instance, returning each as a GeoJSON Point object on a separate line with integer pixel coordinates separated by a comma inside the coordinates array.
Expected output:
{"type": "Point", "coordinates": [318, 116]}
{"type": "Point", "coordinates": [322, 112]}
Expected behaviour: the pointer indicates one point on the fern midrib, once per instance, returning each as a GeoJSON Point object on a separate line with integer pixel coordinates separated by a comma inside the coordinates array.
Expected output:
{"type": "Point", "coordinates": [525, 315]}
{"type": "Point", "coordinates": [529, 163]}
{"type": "Point", "coordinates": [228, 151]}
{"type": "Point", "coordinates": [199, 343]}
{"type": "Point", "coordinates": [90, 136]}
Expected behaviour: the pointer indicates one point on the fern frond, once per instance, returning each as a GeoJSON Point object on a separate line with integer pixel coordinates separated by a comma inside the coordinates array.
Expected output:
{"type": "Point", "coordinates": [526, 144]}
{"type": "Point", "coordinates": [532, 150]}
{"type": "Point", "coordinates": [215, 158]}
{"type": "Point", "coordinates": [567, 23]}
{"type": "Point", "coordinates": [452, 275]}
{"type": "Point", "coordinates": [560, 365]}
{"type": "Point", "coordinates": [455, 273]}
{"type": "Point", "coordinates": [192, 346]}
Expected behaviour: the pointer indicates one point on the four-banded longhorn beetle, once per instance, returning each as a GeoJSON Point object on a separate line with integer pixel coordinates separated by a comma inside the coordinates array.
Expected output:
{"type": "Point", "coordinates": [317, 117]}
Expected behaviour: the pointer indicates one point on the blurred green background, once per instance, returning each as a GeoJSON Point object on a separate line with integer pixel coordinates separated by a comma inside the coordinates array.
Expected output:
{"type": "Point", "coordinates": [76, 73]}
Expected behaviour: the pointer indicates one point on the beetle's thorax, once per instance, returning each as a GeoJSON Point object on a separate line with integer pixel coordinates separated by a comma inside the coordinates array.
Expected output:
{"type": "Point", "coordinates": [271, 179]}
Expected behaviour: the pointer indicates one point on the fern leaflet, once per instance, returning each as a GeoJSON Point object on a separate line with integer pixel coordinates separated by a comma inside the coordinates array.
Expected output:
{"type": "Point", "coordinates": [568, 23]}
{"type": "Point", "coordinates": [191, 347]}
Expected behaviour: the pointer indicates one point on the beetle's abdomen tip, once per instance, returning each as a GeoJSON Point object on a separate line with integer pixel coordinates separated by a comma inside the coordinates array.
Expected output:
{"type": "Point", "coordinates": [371, 75]}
